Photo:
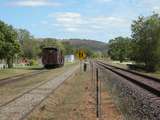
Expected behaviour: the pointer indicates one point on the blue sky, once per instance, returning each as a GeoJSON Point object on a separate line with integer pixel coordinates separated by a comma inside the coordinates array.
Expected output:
{"type": "Point", "coordinates": [87, 19]}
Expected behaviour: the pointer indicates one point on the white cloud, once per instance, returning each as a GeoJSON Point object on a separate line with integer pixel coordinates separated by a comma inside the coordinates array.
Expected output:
{"type": "Point", "coordinates": [74, 18]}
{"type": "Point", "coordinates": [75, 22]}
{"type": "Point", "coordinates": [110, 21]}
{"type": "Point", "coordinates": [69, 20]}
{"type": "Point", "coordinates": [152, 5]}
{"type": "Point", "coordinates": [33, 3]}
{"type": "Point", "coordinates": [150, 2]}
{"type": "Point", "coordinates": [156, 9]}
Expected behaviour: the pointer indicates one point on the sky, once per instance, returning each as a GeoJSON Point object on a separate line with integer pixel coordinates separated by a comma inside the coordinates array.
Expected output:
{"type": "Point", "coordinates": [100, 20]}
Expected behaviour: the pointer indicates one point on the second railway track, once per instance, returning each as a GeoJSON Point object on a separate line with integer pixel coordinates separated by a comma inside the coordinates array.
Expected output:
{"type": "Point", "coordinates": [19, 77]}
{"type": "Point", "coordinates": [146, 82]}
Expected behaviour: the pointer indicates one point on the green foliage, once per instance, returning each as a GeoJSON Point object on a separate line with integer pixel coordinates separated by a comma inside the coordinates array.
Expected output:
{"type": "Point", "coordinates": [50, 42]}
{"type": "Point", "coordinates": [69, 49]}
{"type": "Point", "coordinates": [146, 41]}
{"type": "Point", "coordinates": [32, 62]}
{"type": "Point", "coordinates": [120, 48]}
{"type": "Point", "coordinates": [97, 54]}
{"type": "Point", "coordinates": [9, 45]}
{"type": "Point", "coordinates": [30, 47]}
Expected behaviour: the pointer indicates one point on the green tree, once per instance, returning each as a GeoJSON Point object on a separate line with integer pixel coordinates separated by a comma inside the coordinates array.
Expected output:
{"type": "Point", "coordinates": [29, 45]}
{"type": "Point", "coordinates": [119, 48]}
{"type": "Point", "coordinates": [50, 42]}
{"type": "Point", "coordinates": [9, 46]}
{"type": "Point", "coordinates": [97, 54]}
{"type": "Point", "coordinates": [69, 49]}
{"type": "Point", "coordinates": [146, 41]}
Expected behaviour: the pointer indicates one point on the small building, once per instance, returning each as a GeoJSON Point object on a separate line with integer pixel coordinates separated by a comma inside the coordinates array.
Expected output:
{"type": "Point", "coordinates": [69, 58]}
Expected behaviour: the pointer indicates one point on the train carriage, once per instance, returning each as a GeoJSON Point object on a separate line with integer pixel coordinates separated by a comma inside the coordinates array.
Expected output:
{"type": "Point", "coordinates": [52, 57]}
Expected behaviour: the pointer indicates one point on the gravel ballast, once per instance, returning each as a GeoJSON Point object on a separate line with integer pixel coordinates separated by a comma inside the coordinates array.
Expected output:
{"type": "Point", "coordinates": [135, 103]}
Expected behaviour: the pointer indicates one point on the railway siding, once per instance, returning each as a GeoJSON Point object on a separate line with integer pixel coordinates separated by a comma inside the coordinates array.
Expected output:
{"type": "Point", "coordinates": [19, 108]}
{"type": "Point", "coordinates": [135, 102]}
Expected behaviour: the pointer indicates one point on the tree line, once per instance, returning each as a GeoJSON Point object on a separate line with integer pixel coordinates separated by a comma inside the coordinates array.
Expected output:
{"type": "Point", "coordinates": [143, 46]}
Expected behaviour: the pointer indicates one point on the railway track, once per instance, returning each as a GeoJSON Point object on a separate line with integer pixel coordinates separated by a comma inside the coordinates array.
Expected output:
{"type": "Point", "coordinates": [19, 77]}
{"type": "Point", "coordinates": [146, 82]}
{"type": "Point", "coordinates": [25, 103]}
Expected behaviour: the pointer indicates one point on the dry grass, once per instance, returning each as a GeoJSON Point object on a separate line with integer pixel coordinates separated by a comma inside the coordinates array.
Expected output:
{"type": "Point", "coordinates": [108, 108]}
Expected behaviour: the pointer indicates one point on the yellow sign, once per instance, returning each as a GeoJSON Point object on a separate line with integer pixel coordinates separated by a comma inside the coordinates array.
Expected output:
{"type": "Point", "coordinates": [81, 55]}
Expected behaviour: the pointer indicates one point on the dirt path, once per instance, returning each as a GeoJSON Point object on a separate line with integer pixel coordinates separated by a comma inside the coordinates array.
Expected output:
{"type": "Point", "coordinates": [74, 100]}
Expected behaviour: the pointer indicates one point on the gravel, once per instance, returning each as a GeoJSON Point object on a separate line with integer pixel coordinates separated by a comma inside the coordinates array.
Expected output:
{"type": "Point", "coordinates": [135, 103]}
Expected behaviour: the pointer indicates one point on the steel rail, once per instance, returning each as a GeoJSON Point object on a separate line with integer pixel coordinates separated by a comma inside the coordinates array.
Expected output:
{"type": "Point", "coordinates": [134, 72]}
{"type": "Point", "coordinates": [154, 88]}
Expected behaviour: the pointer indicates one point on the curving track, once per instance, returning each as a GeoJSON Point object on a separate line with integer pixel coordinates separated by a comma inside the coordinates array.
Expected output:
{"type": "Point", "coordinates": [146, 82]}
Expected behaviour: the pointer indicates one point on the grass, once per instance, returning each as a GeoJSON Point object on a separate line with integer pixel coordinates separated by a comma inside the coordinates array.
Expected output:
{"type": "Point", "coordinates": [4, 73]}
{"type": "Point", "coordinates": [154, 74]}
{"type": "Point", "coordinates": [12, 72]}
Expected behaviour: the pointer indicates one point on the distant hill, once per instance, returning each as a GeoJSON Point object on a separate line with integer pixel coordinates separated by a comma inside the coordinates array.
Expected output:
{"type": "Point", "coordinates": [91, 44]}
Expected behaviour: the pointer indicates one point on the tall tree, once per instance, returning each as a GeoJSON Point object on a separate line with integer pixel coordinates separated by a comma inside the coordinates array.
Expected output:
{"type": "Point", "coordinates": [30, 47]}
{"type": "Point", "coordinates": [69, 49]}
{"type": "Point", "coordinates": [119, 48]}
{"type": "Point", "coordinates": [9, 45]}
{"type": "Point", "coordinates": [146, 41]}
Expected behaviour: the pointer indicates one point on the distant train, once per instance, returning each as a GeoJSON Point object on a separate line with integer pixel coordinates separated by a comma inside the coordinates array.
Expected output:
{"type": "Point", "coordinates": [52, 57]}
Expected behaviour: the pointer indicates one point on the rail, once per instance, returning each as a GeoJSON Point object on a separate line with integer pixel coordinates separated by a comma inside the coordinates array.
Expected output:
{"type": "Point", "coordinates": [146, 82]}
